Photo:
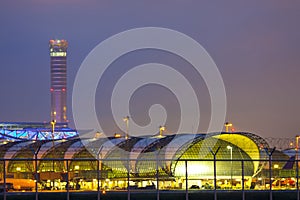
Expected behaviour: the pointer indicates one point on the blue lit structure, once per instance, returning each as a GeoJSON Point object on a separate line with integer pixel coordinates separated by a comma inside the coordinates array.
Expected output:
{"type": "Point", "coordinates": [34, 131]}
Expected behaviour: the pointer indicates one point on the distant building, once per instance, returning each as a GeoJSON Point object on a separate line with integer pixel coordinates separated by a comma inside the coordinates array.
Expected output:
{"type": "Point", "coordinates": [15, 131]}
{"type": "Point", "coordinates": [58, 56]}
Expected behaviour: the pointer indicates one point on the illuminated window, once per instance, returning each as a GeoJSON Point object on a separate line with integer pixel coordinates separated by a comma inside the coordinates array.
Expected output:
{"type": "Point", "coordinates": [57, 54]}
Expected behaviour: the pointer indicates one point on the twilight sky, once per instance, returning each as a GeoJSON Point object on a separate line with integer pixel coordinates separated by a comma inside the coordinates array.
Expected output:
{"type": "Point", "coordinates": [256, 46]}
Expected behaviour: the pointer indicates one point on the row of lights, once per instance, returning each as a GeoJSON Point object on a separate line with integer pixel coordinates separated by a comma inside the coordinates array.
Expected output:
{"type": "Point", "coordinates": [126, 120]}
{"type": "Point", "coordinates": [161, 128]}
{"type": "Point", "coordinates": [117, 135]}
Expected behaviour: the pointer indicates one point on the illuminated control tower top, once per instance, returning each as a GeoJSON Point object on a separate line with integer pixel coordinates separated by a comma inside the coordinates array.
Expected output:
{"type": "Point", "coordinates": [58, 47]}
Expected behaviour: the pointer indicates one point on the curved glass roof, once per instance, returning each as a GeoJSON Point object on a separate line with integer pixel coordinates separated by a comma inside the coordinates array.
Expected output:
{"type": "Point", "coordinates": [203, 164]}
{"type": "Point", "coordinates": [145, 164]}
{"type": "Point", "coordinates": [139, 154]}
{"type": "Point", "coordinates": [16, 148]}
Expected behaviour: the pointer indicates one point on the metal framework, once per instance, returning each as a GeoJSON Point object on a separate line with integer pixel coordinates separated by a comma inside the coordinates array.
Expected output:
{"type": "Point", "coordinates": [36, 134]}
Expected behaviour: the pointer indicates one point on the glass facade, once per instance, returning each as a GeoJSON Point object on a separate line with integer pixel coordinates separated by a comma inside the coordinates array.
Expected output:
{"type": "Point", "coordinates": [182, 161]}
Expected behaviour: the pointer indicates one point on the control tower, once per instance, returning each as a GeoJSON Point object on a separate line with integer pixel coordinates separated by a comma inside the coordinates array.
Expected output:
{"type": "Point", "coordinates": [58, 57]}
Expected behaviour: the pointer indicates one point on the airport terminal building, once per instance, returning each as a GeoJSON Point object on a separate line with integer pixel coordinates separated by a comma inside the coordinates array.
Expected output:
{"type": "Point", "coordinates": [177, 161]}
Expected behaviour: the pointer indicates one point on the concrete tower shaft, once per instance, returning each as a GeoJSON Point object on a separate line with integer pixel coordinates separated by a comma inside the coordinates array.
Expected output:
{"type": "Point", "coordinates": [58, 59]}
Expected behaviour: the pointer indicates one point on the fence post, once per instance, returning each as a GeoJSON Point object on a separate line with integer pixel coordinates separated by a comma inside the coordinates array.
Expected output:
{"type": "Point", "coordinates": [157, 176]}
{"type": "Point", "coordinates": [297, 177]}
{"type": "Point", "coordinates": [36, 176]}
{"type": "Point", "coordinates": [186, 181]}
{"type": "Point", "coordinates": [128, 178]}
{"type": "Point", "coordinates": [98, 178]}
{"type": "Point", "coordinates": [243, 183]}
{"type": "Point", "coordinates": [68, 182]}
{"type": "Point", "coordinates": [4, 180]}
{"type": "Point", "coordinates": [215, 170]}
{"type": "Point", "coordinates": [269, 153]}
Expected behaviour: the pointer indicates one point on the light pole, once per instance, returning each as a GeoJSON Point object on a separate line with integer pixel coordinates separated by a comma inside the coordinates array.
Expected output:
{"type": "Point", "coordinates": [53, 122]}
{"type": "Point", "coordinates": [126, 120]}
{"type": "Point", "coordinates": [227, 125]}
{"type": "Point", "coordinates": [230, 148]}
{"type": "Point", "coordinates": [161, 130]}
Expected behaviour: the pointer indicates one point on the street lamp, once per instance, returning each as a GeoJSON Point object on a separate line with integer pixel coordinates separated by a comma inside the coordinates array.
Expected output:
{"type": "Point", "coordinates": [53, 122]}
{"type": "Point", "coordinates": [126, 120]}
{"type": "Point", "coordinates": [227, 125]}
{"type": "Point", "coordinates": [230, 148]}
{"type": "Point", "coordinates": [161, 130]}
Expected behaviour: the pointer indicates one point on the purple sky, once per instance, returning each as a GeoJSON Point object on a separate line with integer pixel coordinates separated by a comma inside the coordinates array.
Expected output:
{"type": "Point", "coordinates": [256, 46]}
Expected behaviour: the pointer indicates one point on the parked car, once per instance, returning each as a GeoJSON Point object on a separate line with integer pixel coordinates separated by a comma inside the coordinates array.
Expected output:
{"type": "Point", "coordinates": [194, 187]}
